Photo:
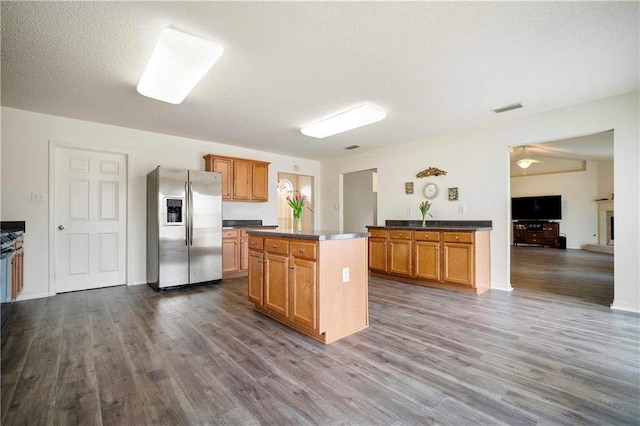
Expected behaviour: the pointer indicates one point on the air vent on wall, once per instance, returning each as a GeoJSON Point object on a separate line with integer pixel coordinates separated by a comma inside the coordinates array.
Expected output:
{"type": "Point", "coordinates": [508, 108]}
{"type": "Point", "coordinates": [352, 147]}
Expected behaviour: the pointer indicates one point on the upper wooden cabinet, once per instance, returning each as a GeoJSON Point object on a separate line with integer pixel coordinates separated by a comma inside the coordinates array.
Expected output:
{"type": "Point", "coordinates": [242, 179]}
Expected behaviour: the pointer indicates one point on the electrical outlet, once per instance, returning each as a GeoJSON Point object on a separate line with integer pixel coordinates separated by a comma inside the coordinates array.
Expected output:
{"type": "Point", "coordinates": [409, 210]}
{"type": "Point", "coordinates": [345, 275]}
{"type": "Point", "coordinates": [461, 209]}
{"type": "Point", "coordinates": [37, 197]}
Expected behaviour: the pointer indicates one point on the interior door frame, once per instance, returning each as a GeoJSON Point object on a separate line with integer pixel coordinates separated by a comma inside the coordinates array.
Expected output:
{"type": "Point", "coordinates": [53, 149]}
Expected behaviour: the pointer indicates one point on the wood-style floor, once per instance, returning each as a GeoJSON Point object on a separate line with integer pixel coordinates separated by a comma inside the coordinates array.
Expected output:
{"type": "Point", "coordinates": [203, 356]}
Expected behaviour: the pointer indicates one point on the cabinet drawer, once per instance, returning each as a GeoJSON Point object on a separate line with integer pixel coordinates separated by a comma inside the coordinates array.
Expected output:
{"type": "Point", "coordinates": [305, 250]}
{"type": "Point", "coordinates": [457, 237]}
{"type": "Point", "coordinates": [230, 233]}
{"type": "Point", "coordinates": [400, 235]}
{"type": "Point", "coordinates": [256, 243]}
{"type": "Point", "coordinates": [427, 236]}
{"type": "Point", "coordinates": [378, 233]}
{"type": "Point", "coordinates": [276, 246]}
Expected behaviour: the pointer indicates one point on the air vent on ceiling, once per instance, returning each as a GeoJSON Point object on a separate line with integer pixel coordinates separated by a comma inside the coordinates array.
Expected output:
{"type": "Point", "coordinates": [508, 108]}
{"type": "Point", "coordinates": [352, 147]}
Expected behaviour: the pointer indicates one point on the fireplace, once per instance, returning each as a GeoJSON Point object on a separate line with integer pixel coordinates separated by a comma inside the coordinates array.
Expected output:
{"type": "Point", "coordinates": [605, 222]}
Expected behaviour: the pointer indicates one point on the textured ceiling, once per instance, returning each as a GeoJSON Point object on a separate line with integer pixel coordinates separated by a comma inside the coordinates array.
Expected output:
{"type": "Point", "coordinates": [433, 66]}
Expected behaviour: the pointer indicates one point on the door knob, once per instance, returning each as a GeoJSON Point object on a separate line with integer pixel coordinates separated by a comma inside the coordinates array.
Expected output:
{"type": "Point", "coordinates": [61, 227]}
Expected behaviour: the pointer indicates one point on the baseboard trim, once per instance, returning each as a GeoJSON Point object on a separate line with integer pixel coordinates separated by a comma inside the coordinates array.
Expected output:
{"type": "Point", "coordinates": [22, 297]}
{"type": "Point", "coordinates": [624, 307]}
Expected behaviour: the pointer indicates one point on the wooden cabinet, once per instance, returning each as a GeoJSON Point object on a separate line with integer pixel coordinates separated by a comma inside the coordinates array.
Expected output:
{"type": "Point", "coordinates": [427, 255]}
{"type": "Point", "coordinates": [400, 252]}
{"type": "Point", "coordinates": [303, 280]}
{"type": "Point", "coordinates": [256, 270]}
{"type": "Point", "coordinates": [259, 181]}
{"type": "Point", "coordinates": [235, 251]}
{"type": "Point", "coordinates": [295, 287]}
{"type": "Point", "coordinates": [456, 260]}
{"type": "Point", "coordinates": [551, 234]}
{"type": "Point", "coordinates": [378, 250]}
{"type": "Point", "coordinates": [276, 283]}
{"type": "Point", "coordinates": [538, 233]}
{"type": "Point", "coordinates": [458, 257]}
{"type": "Point", "coordinates": [242, 179]}
{"type": "Point", "coordinates": [230, 251]}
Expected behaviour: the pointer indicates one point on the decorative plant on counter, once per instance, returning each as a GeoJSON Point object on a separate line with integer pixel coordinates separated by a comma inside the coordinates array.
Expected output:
{"type": "Point", "coordinates": [297, 204]}
{"type": "Point", "coordinates": [424, 209]}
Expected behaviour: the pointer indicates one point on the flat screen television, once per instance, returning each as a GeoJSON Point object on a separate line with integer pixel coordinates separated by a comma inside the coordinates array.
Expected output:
{"type": "Point", "coordinates": [547, 207]}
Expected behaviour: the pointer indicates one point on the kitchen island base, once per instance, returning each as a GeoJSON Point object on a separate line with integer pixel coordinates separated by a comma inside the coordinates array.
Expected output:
{"type": "Point", "coordinates": [315, 285]}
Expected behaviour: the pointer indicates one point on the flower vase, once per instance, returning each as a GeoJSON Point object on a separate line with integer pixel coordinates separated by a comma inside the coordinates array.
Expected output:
{"type": "Point", "coordinates": [298, 221]}
{"type": "Point", "coordinates": [424, 223]}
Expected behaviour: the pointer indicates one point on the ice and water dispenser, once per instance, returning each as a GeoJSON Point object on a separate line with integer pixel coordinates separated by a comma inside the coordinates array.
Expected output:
{"type": "Point", "coordinates": [174, 209]}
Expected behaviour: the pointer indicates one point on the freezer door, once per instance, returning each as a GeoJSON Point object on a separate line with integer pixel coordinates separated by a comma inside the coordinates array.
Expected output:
{"type": "Point", "coordinates": [205, 211]}
{"type": "Point", "coordinates": [172, 223]}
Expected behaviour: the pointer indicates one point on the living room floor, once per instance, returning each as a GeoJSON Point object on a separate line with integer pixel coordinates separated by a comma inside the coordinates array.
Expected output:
{"type": "Point", "coordinates": [129, 355]}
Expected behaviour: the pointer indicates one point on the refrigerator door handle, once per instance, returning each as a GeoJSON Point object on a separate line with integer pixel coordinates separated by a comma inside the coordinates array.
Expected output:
{"type": "Point", "coordinates": [186, 214]}
{"type": "Point", "coordinates": [190, 210]}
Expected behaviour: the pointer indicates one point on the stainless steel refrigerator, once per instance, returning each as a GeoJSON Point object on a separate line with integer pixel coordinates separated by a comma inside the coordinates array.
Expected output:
{"type": "Point", "coordinates": [184, 227]}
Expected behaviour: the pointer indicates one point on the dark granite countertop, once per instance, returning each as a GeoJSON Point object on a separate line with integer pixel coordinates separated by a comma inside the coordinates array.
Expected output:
{"type": "Point", "coordinates": [445, 225]}
{"type": "Point", "coordinates": [13, 226]}
{"type": "Point", "coordinates": [245, 223]}
{"type": "Point", "coordinates": [310, 235]}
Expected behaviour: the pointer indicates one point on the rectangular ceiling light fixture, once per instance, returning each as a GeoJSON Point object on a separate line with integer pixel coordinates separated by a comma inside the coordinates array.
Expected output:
{"type": "Point", "coordinates": [357, 117]}
{"type": "Point", "coordinates": [508, 108]}
{"type": "Point", "coordinates": [178, 63]}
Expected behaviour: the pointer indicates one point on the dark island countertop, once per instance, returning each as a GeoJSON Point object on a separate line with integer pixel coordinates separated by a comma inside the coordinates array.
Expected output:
{"type": "Point", "coordinates": [444, 225]}
{"type": "Point", "coordinates": [309, 235]}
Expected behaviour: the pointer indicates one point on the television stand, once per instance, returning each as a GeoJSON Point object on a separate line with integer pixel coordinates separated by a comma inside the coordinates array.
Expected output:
{"type": "Point", "coordinates": [541, 233]}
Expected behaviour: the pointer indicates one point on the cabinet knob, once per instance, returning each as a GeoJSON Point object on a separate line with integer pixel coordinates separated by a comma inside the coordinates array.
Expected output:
{"type": "Point", "coordinates": [300, 250]}
{"type": "Point", "coordinates": [274, 246]}
{"type": "Point", "coordinates": [252, 243]}
{"type": "Point", "coordinates": [457, 237]}
{"type": "Point", "coordinates": [290, 266]}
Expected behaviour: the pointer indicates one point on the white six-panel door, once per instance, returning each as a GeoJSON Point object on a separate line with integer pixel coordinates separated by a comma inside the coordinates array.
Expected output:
{"type": "Point", "coordinates": [90, 219]}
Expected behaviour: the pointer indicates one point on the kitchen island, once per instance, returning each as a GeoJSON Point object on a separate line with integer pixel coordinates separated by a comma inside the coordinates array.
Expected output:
{"type": "Point", "coordinates": [314, 282]}
{"type": "Point", "coordinates": [448, 254]}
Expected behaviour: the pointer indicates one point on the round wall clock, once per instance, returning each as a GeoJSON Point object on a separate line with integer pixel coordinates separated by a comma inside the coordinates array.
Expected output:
{"type": "Point", "coordinates": [430, 190]}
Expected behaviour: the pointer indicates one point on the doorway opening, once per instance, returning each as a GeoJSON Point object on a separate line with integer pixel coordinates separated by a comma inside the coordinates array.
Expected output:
{"type": "Point", "coordinates": [290, 184]}
{"type": "Point", "coordinates": [570, 256]}
{"type": "Point", "coordinates": [360, 200]}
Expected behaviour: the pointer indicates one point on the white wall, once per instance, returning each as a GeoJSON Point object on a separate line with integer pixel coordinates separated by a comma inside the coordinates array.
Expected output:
{"type": "Point", "coordinates": [605, 179]}
{"type": "Point", "coordinates": [477, 162]}
{"type": "Point", "coordinates": [25, 169]}
{"type": "Point", "coordinates": [578, 190]}
{"type": "Point", "coordinates": [359, 201]}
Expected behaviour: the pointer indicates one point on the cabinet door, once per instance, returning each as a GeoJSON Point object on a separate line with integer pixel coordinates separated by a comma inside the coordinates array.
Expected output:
{"type": "Point", "coordinates": [303, 284]}
{"type": "Point", "coordinates": [230, 254]}
{"type": "Point", "coordinates": [244, 252]}
{"type": "Point", "coordinates": [427, 260]}
{"type": "Point", "coordinates": [241, 180]}
{"type": "Point", "coordinates": [256, 277]}
{"type": "Point", "coordinates": [260, 182]}
{"type": "Point", "coordinates": [550, 234]}
{"type": "Point", "coordinates": [378, 254]}
{"type": "Point", "coordinates": [400, 257]}
{"type": "Point", "coordinates": [458, 263]}
{"type": "Point", "coordinates": [276, 284]}
{"type": "Point", "coordinates": [224, 166]}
